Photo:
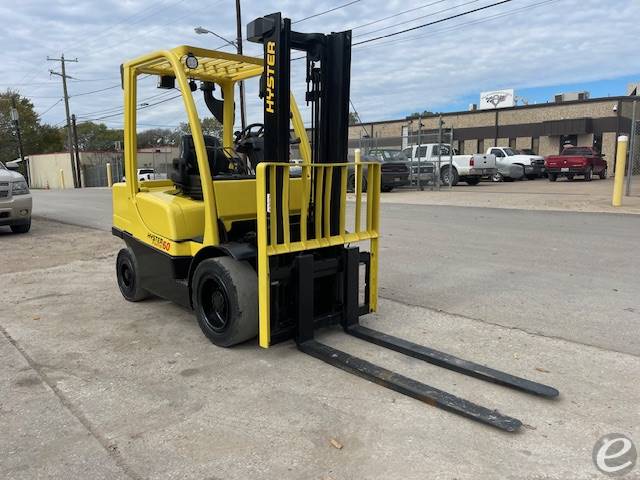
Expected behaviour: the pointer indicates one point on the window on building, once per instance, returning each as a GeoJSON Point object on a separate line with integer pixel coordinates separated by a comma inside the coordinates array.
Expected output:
{"type": "Point", "coordinates": [535, 145]}
{"type": "Point", "coordinates": [480, 146]}
{"type": "Point", "coordinates": [597, 142]}
{"type": "Point", "coordinates": [512, 143]}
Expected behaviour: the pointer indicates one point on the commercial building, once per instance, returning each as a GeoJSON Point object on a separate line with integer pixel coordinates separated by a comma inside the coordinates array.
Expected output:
{"type": "Point", "coordinates": [544, 128]}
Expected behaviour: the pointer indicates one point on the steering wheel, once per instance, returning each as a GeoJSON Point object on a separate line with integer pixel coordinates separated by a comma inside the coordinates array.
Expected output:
{"type": "Point", "coordinates": [247, 131]}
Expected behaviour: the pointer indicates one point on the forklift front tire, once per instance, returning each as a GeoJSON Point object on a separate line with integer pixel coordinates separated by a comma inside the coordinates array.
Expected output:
{"type": "Point", "coordinates": [129, 276]}
{"type": "Point", "coordinates": [225, 299]}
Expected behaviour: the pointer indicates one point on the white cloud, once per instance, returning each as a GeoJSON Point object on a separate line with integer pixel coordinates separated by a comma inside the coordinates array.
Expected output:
{"type": "Point", "coordinates": [565, 41]}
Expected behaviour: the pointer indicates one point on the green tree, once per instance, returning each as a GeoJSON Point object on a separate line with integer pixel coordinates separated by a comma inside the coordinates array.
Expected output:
{"type": "Point", "coordinates": [97, 136]}
{"type": "Point", "coordinates": [353, 118]}
{"type": "Point", "coordinates": [36, 137]}
{"type": "Point", "coordinates": [426, 113]}
{"type": "Point", "coordinates": [210, 126]}
{"type": "Point", "coordinates": [155, 137]}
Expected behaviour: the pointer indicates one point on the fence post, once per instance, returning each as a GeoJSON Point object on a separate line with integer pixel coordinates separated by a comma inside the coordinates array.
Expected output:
{"type": "Point", "coordinates": [632, 148]}
{"type": "Point", "coordinates": [451, 158]}
{"type": "Point", "coordinates": [621, 160]}
{"type": "Point", "coordinates": [61, 179]}
{"type": "Point", "coordinates": [109, 177]}
{"type": "Point", "coordinates": [419, 150]}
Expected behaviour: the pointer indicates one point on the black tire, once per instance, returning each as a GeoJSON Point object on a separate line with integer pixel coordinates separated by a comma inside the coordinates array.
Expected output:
{"type": "Point", "coordinates": [387, 188]}
{"type": "Point", "coordinates": [603, 174]}
{"type": "Point", "coordinates": [570, 178]}
{"type": "Point", "coordinates": [588, 175]}
{"type": "Point", "coordinates": [225, 299]}
{"type": "Point", "coordinates": [351, 183]}
{"type": "Point", "coordinates": [444, 177]}
{"type": "Point", "coordinates": [532, 177]}
{"type": "Point", "coordinates": [497, 177]}
{"type": "Point", "coordinates": [23, 228]}
{"type": "Point", "coordinates": [472, 181]}
{"type": "Point", "coordinates": [128, 276]}
{"type": "Point", "coordinates": [552, 177]}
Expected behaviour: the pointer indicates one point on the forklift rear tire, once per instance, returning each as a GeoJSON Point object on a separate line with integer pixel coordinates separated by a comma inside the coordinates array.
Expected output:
{"type": "Point", "coordinates": [129, 277]}
{"type": "Point", "coordinates": [225, 299]}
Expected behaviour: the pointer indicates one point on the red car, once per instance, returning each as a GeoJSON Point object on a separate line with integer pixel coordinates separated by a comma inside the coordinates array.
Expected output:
{"type": "Point", "coordinates": [581, 161]}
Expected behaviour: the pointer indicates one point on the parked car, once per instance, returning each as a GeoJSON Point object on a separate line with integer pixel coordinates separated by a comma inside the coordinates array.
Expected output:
{"type": "Point", "coordinates": [581, 161]}
{"type": "Point", "coordinates": [145, 174]}
{"type": "Point", "coordinates": [394, 170]}
{"type": "Point", "coordinates": [531, 153]}
{"type": "Point", "coordinates": [15, 201]}
{"type": "Point", "coordinates": [464, 168]}
{"type": "Point", "coordinates": [532, 165]}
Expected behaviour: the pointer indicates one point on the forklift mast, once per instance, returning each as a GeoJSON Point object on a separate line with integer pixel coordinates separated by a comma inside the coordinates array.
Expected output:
{"type": "Point", "coordinates": [328, 59]}
{"type": "Point", "coordinates": [310, 279]}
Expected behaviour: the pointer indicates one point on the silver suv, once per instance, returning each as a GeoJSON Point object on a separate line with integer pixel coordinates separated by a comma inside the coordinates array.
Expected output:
{"type": "Point", "coordinates": [15, 201]}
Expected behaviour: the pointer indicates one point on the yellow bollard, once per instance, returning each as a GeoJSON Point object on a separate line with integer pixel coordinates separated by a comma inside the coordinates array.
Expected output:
{"type": "Point", "coordinates": [61, 179]}
{"type": "Point", "coordinates": [621, 163]}
{"type": "Point", "coordinates": [109, 178]}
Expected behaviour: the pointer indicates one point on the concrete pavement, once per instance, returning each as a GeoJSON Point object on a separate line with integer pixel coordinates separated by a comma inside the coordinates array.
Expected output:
{"type": "Point", "coordinates": [95, 387]}
{"type": "Point", "coordinates": [561, 274]}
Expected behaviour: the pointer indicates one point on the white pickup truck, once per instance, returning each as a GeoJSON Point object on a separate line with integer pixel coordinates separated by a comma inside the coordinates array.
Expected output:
{"type": "Point", "coordinates": [506, 158]}
{"type": "Point", "coordinates": [148, 174]}
{"type": "Point", "coordinates": [464, 168]}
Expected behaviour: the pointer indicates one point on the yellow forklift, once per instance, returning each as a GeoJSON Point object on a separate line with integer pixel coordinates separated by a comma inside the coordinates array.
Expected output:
{"type": "Point", "coordinates": [254, 244]}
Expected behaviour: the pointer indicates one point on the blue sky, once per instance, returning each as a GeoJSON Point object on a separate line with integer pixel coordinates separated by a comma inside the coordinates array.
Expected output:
{"type": "Point", "coordinates": [599, 88]}
{"type": "Point", "coordinates": [537, 47]}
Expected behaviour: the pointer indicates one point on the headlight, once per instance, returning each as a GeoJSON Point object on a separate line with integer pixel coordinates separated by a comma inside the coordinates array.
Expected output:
{"type": "Point", "coordinates": [20, 188]}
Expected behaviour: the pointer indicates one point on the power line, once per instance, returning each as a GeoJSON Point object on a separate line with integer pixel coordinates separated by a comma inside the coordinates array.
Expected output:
{"type": "Point", "coordinates": [97, 91]}
{"type": "Point", "coordinates": [326, 11]}
{"type": "Point", "coordinates": [358, 115]}
{"type": "Point", "coordinates": [396, 15]}
{"type": "Point", "coordinates": [110, 110]}
{"type": "Point", "coordinates": [48, 109]}
{"type": "Point", "coordinates": [461, 25]}
{"type": "Point", "coordinates": [468, 12]}
{"type": "Point", "coordinates": [448, 9]}
{"type": "Point", "coordinates": [139, 108]}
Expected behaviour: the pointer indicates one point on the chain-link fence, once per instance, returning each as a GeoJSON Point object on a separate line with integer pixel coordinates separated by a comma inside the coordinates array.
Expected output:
{"type": "Point", "coordinates": [94, 165]}
{"type": "Point", "coordinates": [427, 155]}
{"type": "Point", "coordinates": [633, 166]}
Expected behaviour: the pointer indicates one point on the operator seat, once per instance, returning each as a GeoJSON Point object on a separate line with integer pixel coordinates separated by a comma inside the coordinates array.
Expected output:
{"type": "Point", "coordinates": [186, 175]}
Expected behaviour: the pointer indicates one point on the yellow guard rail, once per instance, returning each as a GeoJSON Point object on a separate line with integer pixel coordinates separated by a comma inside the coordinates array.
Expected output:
{"type": "Point", "coordinates": [269, 217]}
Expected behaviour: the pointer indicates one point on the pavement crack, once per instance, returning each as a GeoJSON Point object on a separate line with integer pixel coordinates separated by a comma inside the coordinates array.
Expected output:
{"type": "Point", "coordinates": [509, 327]}
{"type": "Point", "coordinates": [108, 446]}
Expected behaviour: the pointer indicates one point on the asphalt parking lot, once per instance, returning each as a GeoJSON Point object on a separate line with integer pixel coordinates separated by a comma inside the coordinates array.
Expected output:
{"type": "Point", "coordinates": [95, 387]}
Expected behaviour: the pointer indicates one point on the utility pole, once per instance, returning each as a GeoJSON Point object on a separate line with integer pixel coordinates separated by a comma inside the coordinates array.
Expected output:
{"type": "Point", "coordinates": [15, 116]}
{"type": "Point", "coordinates": [243, 111]}
{"type": "Point", "coordinates": [76, 148]}
{"type": "Point", "coordinates": [64, 76]}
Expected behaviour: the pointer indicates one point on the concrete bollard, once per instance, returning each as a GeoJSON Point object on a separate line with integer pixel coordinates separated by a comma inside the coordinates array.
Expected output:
{"type": "Point", "coordinates": [621, 163]}
{"type": "Point", "coordinates": [109, 177]}
{"type": "Point", "coordinates": [61, 179]}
